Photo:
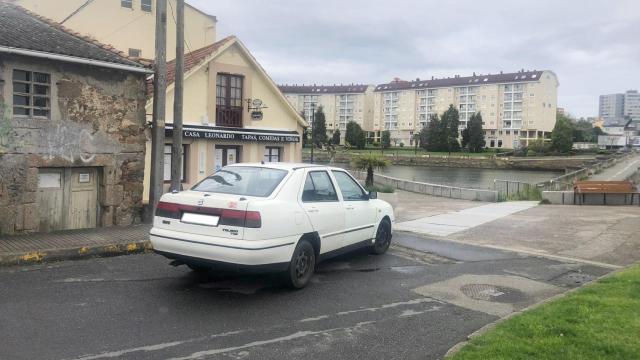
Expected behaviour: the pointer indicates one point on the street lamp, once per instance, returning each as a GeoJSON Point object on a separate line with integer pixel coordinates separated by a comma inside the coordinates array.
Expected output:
{"type": "Point", "coordinates": [313, 129]}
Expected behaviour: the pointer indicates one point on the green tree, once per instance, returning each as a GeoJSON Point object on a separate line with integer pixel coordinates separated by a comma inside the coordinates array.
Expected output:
{"type": "Point", "coordinates": [436, 135]}
{"type": "Point", "coordinates": [362, 140]}
{"type": "Point", "coordinates": [369, 162]}
{"type": "Point", "coordinates": [336, 137]}
{"type": "Point", "coordinates": [562, 135]}
{"type": "Point", "coordinates": [450, 121]}
{"type": "Point", "coordinates": [464, 141]}
{"type": "Point", "coordinates": [352, 134]}
{"type": "Point", "coordinates": [423, 135]}
{"type": "Point", "coordinates": [476, 133]}
{"type": "Point", "coordinates": [385, 139]}
{"type": "Point", "coordinates": [319, 127]}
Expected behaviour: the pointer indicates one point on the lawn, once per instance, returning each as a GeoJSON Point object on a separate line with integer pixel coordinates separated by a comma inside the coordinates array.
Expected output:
{"type": "Point", "coordinates": [599, 321]}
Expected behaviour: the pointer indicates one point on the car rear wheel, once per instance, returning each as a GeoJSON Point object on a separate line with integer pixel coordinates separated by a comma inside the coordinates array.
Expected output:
{"type": "Point", "coordinates": [302, 265]}
{"type": "Point", "coordinates": [383, 238]}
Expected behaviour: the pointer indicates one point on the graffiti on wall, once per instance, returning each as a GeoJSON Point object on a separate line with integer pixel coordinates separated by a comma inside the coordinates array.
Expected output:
{"type": "Point", "coordinates": [70, 143]}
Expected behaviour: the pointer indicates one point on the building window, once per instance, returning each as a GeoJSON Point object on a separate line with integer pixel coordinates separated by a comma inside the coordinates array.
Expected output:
{"type": "Point", "coordinates": [31, 93]}
{"type": "Point", "coordinates": [272, 154]}
{"type": "Point", "coordinates": [134, 52]}
{"type": "Point", "coordinates": [499, 143]}
{"type": "Point", "coordinates": [145, 5]}
{"type": "Point", "coordinates": [229, 100]}
{"type": "Point", "coordinates": [390, 110]}
{"type": "Point", "coordinates": [167, 163]}
{"type": "Point", "coordinates": [126, 4]}
{"type": "Point", "coordinates": [309, 105]}
{"type": "Point", "coordinates": [493, 143]}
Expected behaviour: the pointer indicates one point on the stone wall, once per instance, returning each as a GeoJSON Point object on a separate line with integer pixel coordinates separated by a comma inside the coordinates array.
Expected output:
{"type": "Point", "coordinates": [97, 120]}
{"type": "Point", "coordinates": [432, 189]}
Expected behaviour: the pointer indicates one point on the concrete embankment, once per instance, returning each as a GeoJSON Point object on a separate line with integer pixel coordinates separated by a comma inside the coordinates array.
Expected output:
{"type": "Point", "coordinates": [465, 161]}
{"type": "Point", "coordinates": [432, 189]}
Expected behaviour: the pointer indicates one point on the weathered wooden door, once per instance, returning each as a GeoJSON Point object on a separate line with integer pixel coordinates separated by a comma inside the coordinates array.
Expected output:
{"type": "Point", "coordinates": [68, 198]}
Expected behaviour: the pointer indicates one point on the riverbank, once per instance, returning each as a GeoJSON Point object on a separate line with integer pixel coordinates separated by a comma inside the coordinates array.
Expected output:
{"type": "Point", "coordinates": [465, 160]}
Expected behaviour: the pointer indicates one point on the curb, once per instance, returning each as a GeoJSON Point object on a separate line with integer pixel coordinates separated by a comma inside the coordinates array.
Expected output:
{"type": "Point", "coordinates": [488, 327]}
{"type": "Point", "coordinates": [75, 253]}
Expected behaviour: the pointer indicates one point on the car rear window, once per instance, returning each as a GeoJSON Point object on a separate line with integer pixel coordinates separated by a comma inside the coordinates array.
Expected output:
{"type": "Point", "coordinates": [239, 180]}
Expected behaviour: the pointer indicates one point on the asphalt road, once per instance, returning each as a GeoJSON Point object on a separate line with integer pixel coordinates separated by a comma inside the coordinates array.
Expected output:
{"type": "Point", "coordinates": [357, 306]}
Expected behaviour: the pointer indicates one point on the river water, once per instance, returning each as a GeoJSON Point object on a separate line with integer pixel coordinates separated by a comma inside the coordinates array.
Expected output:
{"type": "Point", "coordinates": [466, 177]}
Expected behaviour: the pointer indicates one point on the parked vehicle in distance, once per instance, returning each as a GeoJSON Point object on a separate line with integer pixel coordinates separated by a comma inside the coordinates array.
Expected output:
{"type": "Point", "coordinates": [274, 217]}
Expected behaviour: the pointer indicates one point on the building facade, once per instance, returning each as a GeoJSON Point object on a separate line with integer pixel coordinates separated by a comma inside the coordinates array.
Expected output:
{"type": "Point", "coordinates": [611, 108]}
{"type": "Point", "coordinates": [233, 112]}
{"type": "Point", "coordinates": [341, 104]}
{"type": "Point", "coordinates": [516, 107]}
{"type": "Point", "coordinates": [632, 106]}
{"type": "Point", "coordinates": [72, 129]}
{"type": "Point", "coordinates": [127, 25]}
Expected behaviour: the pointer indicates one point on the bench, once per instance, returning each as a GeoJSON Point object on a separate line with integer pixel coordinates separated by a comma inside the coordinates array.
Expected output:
{"type": "Point", "coordinates": [582, 188]}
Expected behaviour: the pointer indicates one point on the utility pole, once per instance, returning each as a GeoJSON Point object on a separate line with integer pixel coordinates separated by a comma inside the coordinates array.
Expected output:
{"type": "Point", "coordinates": [176, 146]}
{"type": "Point", "coordinates": [159, 101]}
{"type": "Point", "coordinates": [313, 129]}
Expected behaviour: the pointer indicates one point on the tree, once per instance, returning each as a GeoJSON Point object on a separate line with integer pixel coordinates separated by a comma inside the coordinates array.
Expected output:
{"type": "Point", "coordinates": [423, 135]}
{"type": "Point", "coordinates": [385, 139]}
{"type": "Point", "coordinates": [352, 134]}
{"type": "Point", "coordinates": [562, 135]}
{"type": "Point", "coordinates": [465, 137]}
{"type": "Point", "coordinates": [319, 127]}
{"type": "Point", "coordinates": [476, 133]}
{"type": "Point", "coordinates": [362, 140]}
{"type": "Point", "coordinates": [450, 121]}
{"type": "Point", "coordinates": [336, 137]}
{"type": "Point", "coordinates": [369, 162]}
{"type": "Point", "coordinates": [435, 136]}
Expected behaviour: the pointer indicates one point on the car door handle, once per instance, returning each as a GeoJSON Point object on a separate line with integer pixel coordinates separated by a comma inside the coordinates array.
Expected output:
{"type": "Point", "coordinates": [313, 210]}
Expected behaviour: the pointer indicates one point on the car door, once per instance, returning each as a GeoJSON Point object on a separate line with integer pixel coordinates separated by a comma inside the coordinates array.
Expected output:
{"type": "Point", "coordinates": [325, 211]}
{"type": "Point", "coordinates": [360, 213]}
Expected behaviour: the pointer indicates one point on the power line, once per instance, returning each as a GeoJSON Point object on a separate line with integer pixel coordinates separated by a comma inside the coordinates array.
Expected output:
{"type": "Point", "coordinates": [186, 42]}
{"type": "Point", "coordinates": [76, 11]}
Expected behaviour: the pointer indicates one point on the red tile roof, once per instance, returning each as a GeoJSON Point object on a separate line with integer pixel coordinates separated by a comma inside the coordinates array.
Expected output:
{"type": "Point", "coordinates": [191, 60]}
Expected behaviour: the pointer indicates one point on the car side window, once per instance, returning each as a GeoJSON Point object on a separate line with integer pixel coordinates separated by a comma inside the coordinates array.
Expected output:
{"type": "Point", "coordinates": [350, 190]}
{"type": "Point", "coordinates": [318, 187]}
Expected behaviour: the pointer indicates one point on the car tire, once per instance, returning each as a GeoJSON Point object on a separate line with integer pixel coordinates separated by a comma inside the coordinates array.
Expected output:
{"type": "Point", "coordinates": [302, 265]}
{"type": "Point", "coordinates": [383, 238]}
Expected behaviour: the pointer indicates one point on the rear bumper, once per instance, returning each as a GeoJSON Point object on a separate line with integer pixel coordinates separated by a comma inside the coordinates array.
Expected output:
{"type": "Point", "coordinates": [224, 251]}
{"type": "Point", "coordinates": [225, 266]}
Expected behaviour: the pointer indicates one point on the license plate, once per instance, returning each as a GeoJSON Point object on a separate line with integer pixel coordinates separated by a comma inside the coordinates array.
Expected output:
{"type": "Point", "coordinates": [200, 219]}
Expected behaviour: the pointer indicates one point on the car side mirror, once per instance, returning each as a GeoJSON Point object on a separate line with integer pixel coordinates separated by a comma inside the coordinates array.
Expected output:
{"type": "Point", "coordinates": [373, 194]}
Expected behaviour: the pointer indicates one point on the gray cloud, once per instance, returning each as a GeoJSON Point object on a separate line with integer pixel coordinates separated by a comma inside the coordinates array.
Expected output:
{"type": "Point", "coordinates": [591, 45]}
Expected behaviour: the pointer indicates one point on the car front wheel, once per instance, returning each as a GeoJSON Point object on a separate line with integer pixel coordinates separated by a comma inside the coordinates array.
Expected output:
{"type": "Point", "coordinates": [302, 265]}
{"type": "Point", "coordinates": [383, 238]}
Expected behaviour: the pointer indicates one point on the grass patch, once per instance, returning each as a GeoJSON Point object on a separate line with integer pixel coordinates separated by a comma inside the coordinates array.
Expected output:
{"type": "Point", "coordinates": [530, 194]}
{"type": "Point", "coordinates": [381, 188]}
{"type": "Point", "coordinates": [599, 321]}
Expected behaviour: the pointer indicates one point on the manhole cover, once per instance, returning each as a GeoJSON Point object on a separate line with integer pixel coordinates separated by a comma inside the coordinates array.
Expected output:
{"type": "Point", "coordinates": [494, 293]}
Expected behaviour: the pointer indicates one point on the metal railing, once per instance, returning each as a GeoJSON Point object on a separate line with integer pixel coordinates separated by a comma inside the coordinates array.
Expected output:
{"type": "Point", "coordinates": [510, 187]}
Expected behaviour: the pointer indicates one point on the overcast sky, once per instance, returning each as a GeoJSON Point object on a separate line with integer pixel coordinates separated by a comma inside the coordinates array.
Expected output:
{"type": "Point", "coordinates": [593, 46]}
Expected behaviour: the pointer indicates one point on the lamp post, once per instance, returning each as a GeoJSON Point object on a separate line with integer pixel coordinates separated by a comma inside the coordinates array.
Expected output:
{"type": "Point", "coordinates": [313, 129]}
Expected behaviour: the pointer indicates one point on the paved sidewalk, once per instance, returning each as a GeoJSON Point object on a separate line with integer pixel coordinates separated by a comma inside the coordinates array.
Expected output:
{"type": "Point", "coordinates": [73, 244]}
{"type": "Point", "coordinates": [450, 223]}
{"type": "Point", "coordinates": [620, 171]}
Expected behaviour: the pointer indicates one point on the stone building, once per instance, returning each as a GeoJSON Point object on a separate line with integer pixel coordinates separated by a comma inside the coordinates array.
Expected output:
{"type": "Point", "coordinates": [72, 128]}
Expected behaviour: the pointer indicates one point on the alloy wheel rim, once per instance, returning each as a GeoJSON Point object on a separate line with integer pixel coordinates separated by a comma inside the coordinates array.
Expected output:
{"type": "Point", "coordinates": [303, 262]}
{"type": "Point", "coordinates": [383, 238]}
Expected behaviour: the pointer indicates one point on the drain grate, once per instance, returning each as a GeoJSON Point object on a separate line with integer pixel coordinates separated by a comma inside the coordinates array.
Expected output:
{"type": "Point", "coordinates": [493, 293]}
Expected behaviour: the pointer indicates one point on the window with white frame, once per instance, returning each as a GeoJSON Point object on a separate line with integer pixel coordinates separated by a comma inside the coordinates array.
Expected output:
{"type": "Point", "coordinates": [346, 103]}
{"type": "Point", "coordinates": [426, 97]}
{"type": "Point", "coordinates": [512, 105]}
{"type": "Point", "coordinates": [145, 5]}
{"type": "Point", "coordinates": [272, 154]}
{"type": "Point", "coordinates": [309, 106]}
{"type": "Point", "coordinates": [390, 110]}
{"type": "Point", "coordinates": [126, 4]}
{"type": "Point", "coordinates": [31, 93]}
{"type": "Point", "coordinates": [466, 103]}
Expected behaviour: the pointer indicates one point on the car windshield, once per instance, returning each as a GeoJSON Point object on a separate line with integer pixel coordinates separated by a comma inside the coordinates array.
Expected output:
{"type": "Point", "coordinates": [237, 180]}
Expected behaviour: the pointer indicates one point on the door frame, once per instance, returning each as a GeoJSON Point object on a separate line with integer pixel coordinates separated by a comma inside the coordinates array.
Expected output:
{"type": "Point", "coordinates": [224, 148]}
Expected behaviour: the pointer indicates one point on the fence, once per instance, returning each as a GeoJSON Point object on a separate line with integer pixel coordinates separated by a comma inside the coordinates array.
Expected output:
{"type": "Point", "coordinates": [509, 187]}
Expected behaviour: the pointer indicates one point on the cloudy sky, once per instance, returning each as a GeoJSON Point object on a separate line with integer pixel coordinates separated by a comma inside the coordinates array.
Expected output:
{"type": "Point", "coordinates": [593, 46]}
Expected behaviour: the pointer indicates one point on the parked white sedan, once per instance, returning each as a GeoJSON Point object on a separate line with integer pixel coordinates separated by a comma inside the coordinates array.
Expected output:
{"type": "Point", "coordinates": [270, 217]}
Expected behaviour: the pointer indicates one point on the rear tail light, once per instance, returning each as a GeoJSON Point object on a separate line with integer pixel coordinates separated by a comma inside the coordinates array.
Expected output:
{"type": "Point", "coordinates": [230, 217]}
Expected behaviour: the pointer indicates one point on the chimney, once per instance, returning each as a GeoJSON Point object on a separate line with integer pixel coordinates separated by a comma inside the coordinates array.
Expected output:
{"type": "Point", "coordinates": [474, 73]}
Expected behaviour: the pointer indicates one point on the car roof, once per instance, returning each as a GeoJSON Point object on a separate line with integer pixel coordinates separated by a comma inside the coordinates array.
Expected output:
{"type": "Point", "coordinates": [286, 165]}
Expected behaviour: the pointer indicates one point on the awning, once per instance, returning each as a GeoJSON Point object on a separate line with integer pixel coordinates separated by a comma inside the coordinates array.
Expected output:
{"type": "Point", "coordinates": [237, 134]}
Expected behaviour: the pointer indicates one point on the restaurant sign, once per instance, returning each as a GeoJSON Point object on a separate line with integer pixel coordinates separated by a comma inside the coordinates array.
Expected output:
{"type": "Point", "coordinates": [218, 134]}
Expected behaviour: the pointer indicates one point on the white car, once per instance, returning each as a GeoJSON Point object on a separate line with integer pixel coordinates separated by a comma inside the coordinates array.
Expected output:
{"type": "Point", "coordinates": [270, 217]}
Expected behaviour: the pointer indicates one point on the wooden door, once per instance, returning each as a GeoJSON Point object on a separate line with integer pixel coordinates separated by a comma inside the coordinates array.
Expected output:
{"type": "Point", "coordinates": [51, 199]}
{"type": "Point", "coordinates": [68, 198]}
{"type": "Point", "coordinates": [83, 191]}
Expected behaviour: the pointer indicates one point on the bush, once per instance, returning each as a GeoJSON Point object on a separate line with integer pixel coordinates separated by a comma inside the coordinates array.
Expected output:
{"type": "Point", "coordinates": [387, 189]}
{"type": "Point", "coordinates": [401, 144]}
{"type": "Point", "coordinates": [375, 144]}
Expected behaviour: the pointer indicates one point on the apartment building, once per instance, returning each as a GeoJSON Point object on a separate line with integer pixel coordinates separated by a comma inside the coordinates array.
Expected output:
{"type": "Point", "coordinates": [611, 108]}
{"type": "Point", "coordinates": [516, 107]}
{"type": "Point", "coordinates": [632, 105]}
{"type": "Point", "coordinates": [340, 103]}
{"type": "Point", "coordinates": [127, 25]}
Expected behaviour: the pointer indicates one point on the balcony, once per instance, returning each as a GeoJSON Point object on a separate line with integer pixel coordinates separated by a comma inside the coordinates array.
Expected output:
{"type": "Point", "coordinates": [229, 116]}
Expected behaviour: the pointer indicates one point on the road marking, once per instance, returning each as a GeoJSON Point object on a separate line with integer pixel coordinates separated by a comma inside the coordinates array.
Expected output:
{"type": "Point", "coordinates": [534, 253]}
{"type": "Point", "coordinates": [451, 223]}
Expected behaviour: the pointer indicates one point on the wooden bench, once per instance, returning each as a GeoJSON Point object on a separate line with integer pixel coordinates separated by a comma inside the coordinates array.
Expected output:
{"type": "Point", "coordinates": [582, 188]}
